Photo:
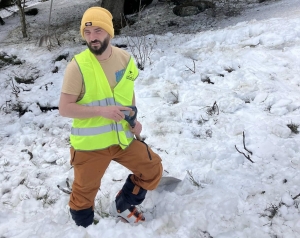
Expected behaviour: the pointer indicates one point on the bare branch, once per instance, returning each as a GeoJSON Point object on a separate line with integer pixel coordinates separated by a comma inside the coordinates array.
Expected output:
{"type": "Point", "coordinates": [247, 156]}
{"type": "Point", "coordinates": [215, 107]}
{"type": "Point", "coordinates": [28, 152]}
{"type": "Point", "coordinates": [64, 190]}
{"type": "Point", "coordinates": [294, 198]}
{"type": "Point", "coordinates": [192, 179]}
{"type": "Point", "coordinates": [68, 184]}
{"type": "Point", "coordinates": [250, 152]}
{"type": "Point", "coordinates": [15, 89]}
{"type": "Point", "coordinates": [193, 70]}
{"type": "Point", "coordinates": [176, 97]}
{"type": "Point", "coordinates": [67, 191]}
{"type": "Point", "coordinates": [212, 110]}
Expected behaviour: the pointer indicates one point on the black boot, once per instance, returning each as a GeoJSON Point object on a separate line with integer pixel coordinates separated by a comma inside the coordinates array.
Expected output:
{"type": "Point", "coordinates": [126, 198]}
{"type": "Point", "coordinates": [124, 204]}
{"type": "Point", "coordinates": [83, 217]}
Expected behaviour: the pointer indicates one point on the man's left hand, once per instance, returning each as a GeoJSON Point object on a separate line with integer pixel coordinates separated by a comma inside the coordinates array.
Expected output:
{"type": "Point", "coordinates": [137, 129]}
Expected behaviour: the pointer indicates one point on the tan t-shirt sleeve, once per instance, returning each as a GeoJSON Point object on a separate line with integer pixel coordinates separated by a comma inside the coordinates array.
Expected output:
{"type": "Point", "coordinates": [72, 83]}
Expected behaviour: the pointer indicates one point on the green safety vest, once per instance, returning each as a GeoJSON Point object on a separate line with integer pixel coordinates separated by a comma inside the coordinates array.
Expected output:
{"type": "Point", "coordinates": [98, 132]}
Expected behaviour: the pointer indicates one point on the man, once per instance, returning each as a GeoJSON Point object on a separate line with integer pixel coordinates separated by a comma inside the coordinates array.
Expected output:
{"type": "Point", "coordinates": [97, 88]}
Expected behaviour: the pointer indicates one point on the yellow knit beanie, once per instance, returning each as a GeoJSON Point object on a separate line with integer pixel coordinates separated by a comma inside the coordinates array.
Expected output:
{"type": "Point", "coordinates": [97, 16]}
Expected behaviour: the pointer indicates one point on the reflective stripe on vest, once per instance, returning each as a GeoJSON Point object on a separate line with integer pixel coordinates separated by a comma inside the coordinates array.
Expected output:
{"type": "Point", "coordinates": [104, 102]}
{"type": "Point", "coordinates": [99, 132]}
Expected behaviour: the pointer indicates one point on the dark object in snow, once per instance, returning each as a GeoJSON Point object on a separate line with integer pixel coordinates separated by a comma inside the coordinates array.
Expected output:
{"type": "Point", "coordinates": [192, 8]}
{"type": "Point", "coordinates": [46, 108]}
{"type": "Point", "coordinates": [61, 57]}
{"type": "Point", "coordinates": [32, 12]}
{"type": "Point", "coordinates": [121, 45]}
{"type": "Point", "coordinates": [172, 23]}
{"type": "Point", "coordinates": [1, 21]}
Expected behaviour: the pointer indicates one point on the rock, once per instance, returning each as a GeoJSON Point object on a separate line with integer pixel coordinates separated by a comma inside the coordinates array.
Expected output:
{"type": "Point", "coordinates": [32, 12]}
{"type": "Point", "coordinates": [184, 11]}
{"type": "Point", "coordinates": [192, 8]}
{"type": "Point", "coordinates": [181, 2]}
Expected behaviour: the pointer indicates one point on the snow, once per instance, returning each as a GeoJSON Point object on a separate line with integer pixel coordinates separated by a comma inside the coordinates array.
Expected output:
{"type": "Point", "coordinates": [196, 125]}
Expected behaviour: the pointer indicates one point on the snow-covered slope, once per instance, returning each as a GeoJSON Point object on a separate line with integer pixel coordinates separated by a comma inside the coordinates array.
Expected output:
{"type": "Point", "coordinates": [197, 96]}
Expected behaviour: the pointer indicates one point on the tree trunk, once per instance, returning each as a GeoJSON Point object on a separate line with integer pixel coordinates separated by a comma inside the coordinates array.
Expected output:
{"type": "Point", "coordinates": [116, 7]}
{"type": "Point", "coordinates": [22, 17]}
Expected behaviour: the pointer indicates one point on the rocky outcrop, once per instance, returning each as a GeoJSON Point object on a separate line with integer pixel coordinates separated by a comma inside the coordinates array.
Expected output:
{"type": "Point", "coordinates": [190, 7]}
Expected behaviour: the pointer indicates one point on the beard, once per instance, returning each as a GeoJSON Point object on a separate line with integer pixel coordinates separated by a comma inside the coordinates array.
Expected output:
{"type": "Point", "coordinates": [98, 50]}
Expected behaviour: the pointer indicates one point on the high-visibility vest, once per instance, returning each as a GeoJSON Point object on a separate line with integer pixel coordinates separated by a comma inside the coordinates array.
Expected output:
{"type": "Point", "coordinates": [98, 132]}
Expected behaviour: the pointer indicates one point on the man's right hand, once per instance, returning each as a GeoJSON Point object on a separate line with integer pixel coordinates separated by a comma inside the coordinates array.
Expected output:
{"type": "Point", "coordinates": [114, 112]}
{"type": "Point", "coordinates": [69, 108]}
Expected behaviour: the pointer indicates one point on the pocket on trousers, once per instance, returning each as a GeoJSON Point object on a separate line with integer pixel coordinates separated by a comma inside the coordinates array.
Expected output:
{"type": "Point", "coordinates": [149, 154]}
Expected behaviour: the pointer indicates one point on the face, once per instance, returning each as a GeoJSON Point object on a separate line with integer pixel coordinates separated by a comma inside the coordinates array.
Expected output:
{"type": "Point", "coordinates": [97, 39]}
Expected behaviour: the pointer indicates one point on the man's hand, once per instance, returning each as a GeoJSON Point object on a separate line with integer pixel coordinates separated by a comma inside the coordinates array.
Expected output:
{"type": "Point", "coordinates": [137, 129]}
{"type": "Point", "coordinates": [69, 108]}
{"type": "Point", "coordinates": [114, 112]}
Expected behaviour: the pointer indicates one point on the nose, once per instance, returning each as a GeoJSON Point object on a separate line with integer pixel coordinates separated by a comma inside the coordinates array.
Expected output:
{"type": "Point", "coordinates": [93, 36]}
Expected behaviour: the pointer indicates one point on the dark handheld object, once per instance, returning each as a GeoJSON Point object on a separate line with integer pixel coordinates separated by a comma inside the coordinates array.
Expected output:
{"type": "Point", "coordinates": [132, 116]}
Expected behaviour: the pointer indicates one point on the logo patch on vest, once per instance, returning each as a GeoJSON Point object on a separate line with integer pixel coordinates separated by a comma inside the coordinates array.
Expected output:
{"type": "Point", "coordinates": [88, 23]}
{"type": "Point", "coordinates": [130, 76]}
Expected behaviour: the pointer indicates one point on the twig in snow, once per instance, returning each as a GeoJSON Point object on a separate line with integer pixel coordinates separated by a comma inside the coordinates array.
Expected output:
{"type": "Point", "coordinates": [67, 191]}
{"type": "Point", "coordinates": [250, 152]}
{"type": "Point", "coordinates": [193, 70]}
{"type": "Point", "coordinates": [213, 110]}
{"type": "Point", "coordinates": [294, 198]}
{"type": "Point", "coordinates": [64, 190]}
{"type": "Point", "coordinates": [28, 152]}
{"type": "Point", "coordinates": [68, 184]}
{"type": "Point", "coordinates": [247, 156]}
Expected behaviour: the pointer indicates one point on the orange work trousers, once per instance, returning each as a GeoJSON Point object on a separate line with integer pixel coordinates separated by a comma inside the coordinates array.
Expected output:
{"type": "Point", "coordinates": [90, 166]}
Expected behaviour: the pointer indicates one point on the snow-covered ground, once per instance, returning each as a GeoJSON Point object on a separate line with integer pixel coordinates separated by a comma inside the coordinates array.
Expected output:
{"type": "Point", "coordinates": [197, 96]}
